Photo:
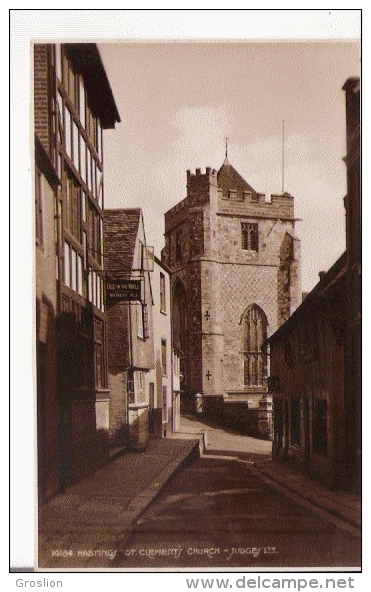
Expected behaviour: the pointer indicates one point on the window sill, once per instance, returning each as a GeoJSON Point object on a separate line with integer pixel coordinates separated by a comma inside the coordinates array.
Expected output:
{"type": "Point", "coordinates": [101, 392]}
{"type": "Point", "coordinates": [134, 406]}
{"type": "Point", "coordinates": [142, 338]}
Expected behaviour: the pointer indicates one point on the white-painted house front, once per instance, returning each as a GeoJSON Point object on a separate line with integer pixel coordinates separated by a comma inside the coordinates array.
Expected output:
{"type": "Point", "coordinates": [164, 380]}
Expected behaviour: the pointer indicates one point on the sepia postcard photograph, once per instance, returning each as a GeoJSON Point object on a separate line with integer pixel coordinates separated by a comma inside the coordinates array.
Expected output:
{"type": "Point", "coordinates": [196, 308]}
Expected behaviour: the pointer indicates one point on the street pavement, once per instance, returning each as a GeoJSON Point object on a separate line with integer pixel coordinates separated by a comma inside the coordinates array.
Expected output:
{"type": "Point", "coordinates": [217, 513]}
{"type": "Point", "coordinates": [168, 508]}
{"type": "Point", "coordinates": [344, 505]}
{"type": "Point", "coordinates": [80, 527]}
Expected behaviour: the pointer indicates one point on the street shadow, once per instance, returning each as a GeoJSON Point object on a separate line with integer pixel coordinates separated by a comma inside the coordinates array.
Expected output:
{"type": "Point", "coordinates": [218, 426]}
{"type": "Point", "coordinates": [248, 457]}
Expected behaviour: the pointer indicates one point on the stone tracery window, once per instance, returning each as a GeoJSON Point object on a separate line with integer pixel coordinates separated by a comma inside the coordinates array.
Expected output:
{"type": "Point", "coordinates": [254, 335]}
{"type": "Point", "coordinates": [249, 236]}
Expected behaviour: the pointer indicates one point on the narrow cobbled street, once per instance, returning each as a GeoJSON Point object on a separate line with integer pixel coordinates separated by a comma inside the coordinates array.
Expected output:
{"type": "Point", "coordinates": [172, 508]}
{"type": "Point", "coordinates": [218, 512]}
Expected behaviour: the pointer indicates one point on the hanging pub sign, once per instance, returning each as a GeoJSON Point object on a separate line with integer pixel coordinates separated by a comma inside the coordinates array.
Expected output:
{"type": "Point", "coordinates": [124, 291]}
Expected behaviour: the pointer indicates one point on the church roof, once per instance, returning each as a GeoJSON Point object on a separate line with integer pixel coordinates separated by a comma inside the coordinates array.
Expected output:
{"type": "Point", "coordinates": [229, 178]}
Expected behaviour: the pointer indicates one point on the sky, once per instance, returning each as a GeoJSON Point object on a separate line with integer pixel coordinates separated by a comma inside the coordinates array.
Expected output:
{"type": "Point", "coordinates": [179, 101]}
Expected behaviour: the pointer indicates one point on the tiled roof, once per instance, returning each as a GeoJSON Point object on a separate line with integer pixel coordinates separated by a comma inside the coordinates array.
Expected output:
{"type": "Point", "coordinates": [120, 229]}
{"type": "Point", "coordinates": [86, 60]}
{"type": "Point", "coordinates": [229, 178]}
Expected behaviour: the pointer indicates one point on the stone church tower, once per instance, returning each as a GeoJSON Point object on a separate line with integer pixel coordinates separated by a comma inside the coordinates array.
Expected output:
{"type": "Point", "coordinates": [234, 262]}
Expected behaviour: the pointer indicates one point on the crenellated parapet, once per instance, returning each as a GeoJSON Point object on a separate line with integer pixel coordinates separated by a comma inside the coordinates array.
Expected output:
{"type": "Point", "coordinates": [200, 189]}
{"type": "Point", "coordinates": [197, 179]}
{"type": "Point", "coordinates": [251, 204]}
{"type": "Point", "coordinates": [238, 200]}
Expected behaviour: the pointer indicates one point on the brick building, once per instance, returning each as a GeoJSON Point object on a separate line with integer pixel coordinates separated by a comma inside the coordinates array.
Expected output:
{"type": "Point", "coordinates": [353, 374]}
{"type": "Point", "coordinates": [234, 260]}
{"type": "Point", "coordinates": [129, 326]}
{"type": "Point", "coordinates": [307, 380]}
{"type": "Point", "coordinates": [316, 354]}
{"type": "Point", "coordinates": [73, 104]}
{"type": "Point", "coordinates": [140, 357]}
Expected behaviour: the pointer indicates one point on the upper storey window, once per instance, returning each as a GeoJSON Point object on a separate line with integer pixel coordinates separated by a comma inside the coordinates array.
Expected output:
{"type": "Point", "coordinates": [162, 293]}
{"type": "Point", "coordinates": [249, 236]}
{"type": "Point", "coordinates": [82, 102]}
{"type": "Point", "coordinates": [77, 103]}
{"type": "Point", "coordinates": [38, 207]}
{"type": "Point", "coordinates": [163, 357]}
{"type": "Point", "coordinates": [73, 207]}
{"type": "Point", "coordinates": [58, 61]}
{"type": "Point", "coordinates": [69, 78]}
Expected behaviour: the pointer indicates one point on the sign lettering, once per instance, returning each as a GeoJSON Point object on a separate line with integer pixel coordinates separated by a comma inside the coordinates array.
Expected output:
{"type": "Point", "coordinates": [124, 291]}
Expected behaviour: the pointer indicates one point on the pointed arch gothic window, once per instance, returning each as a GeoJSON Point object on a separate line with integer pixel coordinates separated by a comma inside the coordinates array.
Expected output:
{"type": "Point", "coordinates": [254, 335]}
{"type": "Point", "coordinates": [250, 237]}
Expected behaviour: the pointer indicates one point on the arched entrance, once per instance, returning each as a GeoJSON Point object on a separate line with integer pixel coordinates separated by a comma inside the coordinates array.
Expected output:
{"type": "Point", "coordinates": [180, 339]}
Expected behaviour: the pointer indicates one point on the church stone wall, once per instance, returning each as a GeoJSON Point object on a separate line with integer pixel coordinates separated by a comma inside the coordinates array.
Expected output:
{"type": "Point", "coordinates": [221, 279]}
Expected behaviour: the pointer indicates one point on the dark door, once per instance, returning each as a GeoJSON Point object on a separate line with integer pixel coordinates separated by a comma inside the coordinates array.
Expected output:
{"type": "Point", "coordinates": [151, 408]}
